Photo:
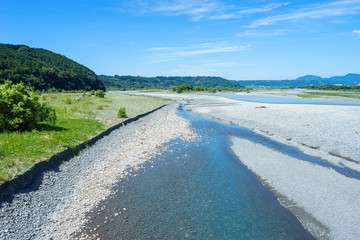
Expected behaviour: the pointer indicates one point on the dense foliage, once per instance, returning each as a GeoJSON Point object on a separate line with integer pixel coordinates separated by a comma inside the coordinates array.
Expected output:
{"type": "Point", "coordinates": [132, 82]}
{"type": "Point", "coordinates": [44, 70]}
{"type": "Point", "coordinates": [333, 88]}
{"type": "Point", "coordinates": [20, 109]}
{"type": "Point", "coordinates": [190, 88]}
{"type": "Point", "coordinates": [100, 94]}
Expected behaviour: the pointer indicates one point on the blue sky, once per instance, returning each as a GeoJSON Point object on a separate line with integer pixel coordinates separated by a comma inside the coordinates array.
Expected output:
{"type": "Point", "coordinates": [238, 40]}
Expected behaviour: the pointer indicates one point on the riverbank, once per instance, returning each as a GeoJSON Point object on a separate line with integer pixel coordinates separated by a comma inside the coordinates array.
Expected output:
{"type": "Point", "coordinates": [79, 118]}
{"type": "Point", "coordinates": [56, 206]}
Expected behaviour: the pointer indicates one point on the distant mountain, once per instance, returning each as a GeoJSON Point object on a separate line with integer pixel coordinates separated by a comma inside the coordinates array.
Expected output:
{"type": "Point", "coordinates": [44, 69]}
{"type": "Point", "coordinates": [133, 82]}
{"type": "Point", "coordinates": [309, 78]}
{"type": "Point", "coordinates": [351, 79]}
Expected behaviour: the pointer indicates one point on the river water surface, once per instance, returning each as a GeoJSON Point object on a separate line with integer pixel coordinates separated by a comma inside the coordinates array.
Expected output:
{"type": "Point", "coordinates": [196, 190]}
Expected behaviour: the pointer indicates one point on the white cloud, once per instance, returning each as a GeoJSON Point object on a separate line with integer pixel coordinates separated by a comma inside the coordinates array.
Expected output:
{"type": "Point", "coordinates": [247, 11]}
{"type": "Point", "coordinates": [253, 33]}
{"type": "Point", "coordinates": [194, 70]}
{"type": "Point", "coordinates": [195, 9]}
{"type": "Point", "coordinates": [318, 11]}
{"type": "Point", "coordinates": [357, 32]}
{"type": "Point", "coordinates": [160, 48]}
{"type": "Point", "coordinates": [207, 67]}
{"type": "Point", "coordinates": [163, 54]}
{"type": "Point", "coordinates": [201, 9]}
{"type": "Point", "coordinates": [265, 8]}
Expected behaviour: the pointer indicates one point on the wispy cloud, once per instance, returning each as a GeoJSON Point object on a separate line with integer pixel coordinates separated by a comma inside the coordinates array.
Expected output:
{"type": "Point", "coordinates": [314, 11]}
{"type": "Point", "coordinates": [194, 70]}
{"type": "Point", "coordinates": [213, 10]}
{"type": "Point", "coordinates": [357, 32]}
{"type": "Point", "coordinates": [207, 67]}
{"type": "Point", "coordinates": [163, 54]}
{"type": "Point", "coordinates": [254, 33]}
{"type": "Point", "coordinates": [202, 9]}
{"type": "Point", "coordinates": [248, 11]}
{"type": "Point", "coordinates": [195, 9]}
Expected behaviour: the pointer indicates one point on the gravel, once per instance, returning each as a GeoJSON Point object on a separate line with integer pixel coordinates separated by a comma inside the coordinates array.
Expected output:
{"type": "Point", "coordinates": [54, 207]}
{"type": "Point", "coordinates": [327, 131]}
{"type": "Point", "coordinates": [330, 198]}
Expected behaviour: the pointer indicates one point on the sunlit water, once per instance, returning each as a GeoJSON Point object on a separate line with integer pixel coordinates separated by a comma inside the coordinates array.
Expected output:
{"type": "Point", "coordinates": [197, 190]}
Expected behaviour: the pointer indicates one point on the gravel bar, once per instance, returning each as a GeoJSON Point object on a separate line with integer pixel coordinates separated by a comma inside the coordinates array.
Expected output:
{"type": "Point", "coordinates": [55, 206]}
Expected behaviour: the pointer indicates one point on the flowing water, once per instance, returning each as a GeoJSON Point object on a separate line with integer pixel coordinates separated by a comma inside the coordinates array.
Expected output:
{"type": "Point", "coordinates": [196, 190]}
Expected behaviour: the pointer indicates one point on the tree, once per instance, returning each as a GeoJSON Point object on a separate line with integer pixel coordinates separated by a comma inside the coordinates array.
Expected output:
{"type": "Point", "coordinates": [20, 109]}
{"type": "Point", "coordinates": [100, 94]}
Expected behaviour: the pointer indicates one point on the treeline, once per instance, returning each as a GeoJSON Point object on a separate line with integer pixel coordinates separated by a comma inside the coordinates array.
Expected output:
{"type": "Point", "coordinates": [138, 82]}
{"type": "Point", "coordinates": [333, 88]}
{"type": "Point", "coordinates": [190, 88]}
{"type": "Point", "coordinates": [44, 70]}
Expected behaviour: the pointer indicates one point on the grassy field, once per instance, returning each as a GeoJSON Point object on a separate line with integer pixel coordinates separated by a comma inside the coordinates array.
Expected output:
{"type": "Point", "coordinates": [79, 118]}
{"type": "Point", "coordinates": [328, 95]}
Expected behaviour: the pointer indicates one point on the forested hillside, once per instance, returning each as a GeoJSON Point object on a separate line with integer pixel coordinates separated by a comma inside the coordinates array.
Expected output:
{"type": "Point", "coordinates": [137, 82]}
{"type": "Point", "coordinates": [44, 69]}
{"type": "Point", "coordinates": [133, 82]}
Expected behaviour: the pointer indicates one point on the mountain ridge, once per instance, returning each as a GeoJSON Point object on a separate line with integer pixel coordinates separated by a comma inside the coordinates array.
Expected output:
{"type": "Point", "coordinates": [138, 82]}
{"type": "Point", "coordinates": [44, 70]}
{"type": "Point", "coordinates": [350, 79]}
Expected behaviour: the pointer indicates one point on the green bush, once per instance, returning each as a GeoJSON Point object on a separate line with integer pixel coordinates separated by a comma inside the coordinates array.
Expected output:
{"type": "Point", "coordinates": [248, 90]}
{"type": "Point", "coordinates": [122, 113]}
{"type": "Point", "coordinates": [212, 90]}
{"type": "Point", "coordinates": [100, 94]}
{"type": "Point", "coordinates": [20, 108]}
{"type": "Point", "coordinates": [68, 100]}
{"type": "Point", "coordinates": [43, 98]}
{"type": "Point", "coordinates": [92, 92]}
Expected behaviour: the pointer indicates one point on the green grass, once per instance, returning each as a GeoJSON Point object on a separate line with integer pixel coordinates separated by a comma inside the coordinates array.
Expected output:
{"type": "Point", "coordinates": [79, 118]}
{"type": "Point", "coordinates": [328, 95]}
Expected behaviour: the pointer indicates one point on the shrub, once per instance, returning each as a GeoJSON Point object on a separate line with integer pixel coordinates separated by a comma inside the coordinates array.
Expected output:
{"type": "Point", "coordinates": [68, 100]}
{"type": "Point", "coordinates": [100, 94]}
{"type": "Point", "coordinates": [20, 108]}
{"type": "Point", "coordinates": [122, 113]}
{"type": "Point", "coordinates": [182, 88]}
{"type": "Point", "coordinates": [92, 92]}
{"type": "Point", "coordinates": [212, 90]}
{"type": "Point", "coordinates": [248, 90]}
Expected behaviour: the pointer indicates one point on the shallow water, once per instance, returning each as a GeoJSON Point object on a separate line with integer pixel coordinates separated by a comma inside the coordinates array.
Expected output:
{"type": "Point", "coordinates": [197, 190]}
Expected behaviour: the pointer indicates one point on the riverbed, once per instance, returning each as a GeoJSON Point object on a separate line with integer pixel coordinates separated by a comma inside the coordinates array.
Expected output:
{"type": "Point", "coordinates": [195, 190]}
{"type": "Point", "coordinates": [210, 168]}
